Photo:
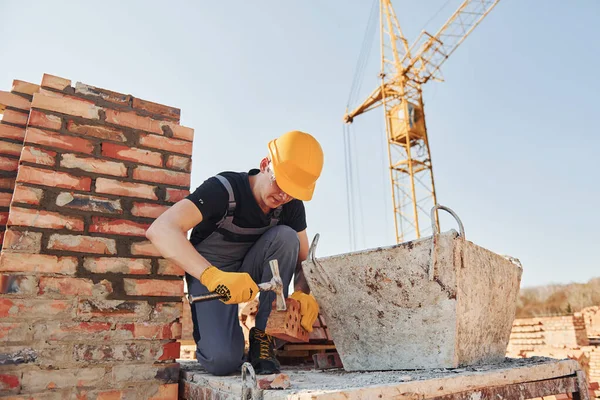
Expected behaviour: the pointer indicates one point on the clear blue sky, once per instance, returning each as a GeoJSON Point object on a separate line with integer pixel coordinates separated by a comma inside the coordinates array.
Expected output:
{"type": "Point", "coordinates": [513, 130]}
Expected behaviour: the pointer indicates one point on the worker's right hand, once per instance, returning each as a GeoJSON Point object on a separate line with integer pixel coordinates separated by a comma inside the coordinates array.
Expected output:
{"type": "Point", "coordinates": [235, 287]}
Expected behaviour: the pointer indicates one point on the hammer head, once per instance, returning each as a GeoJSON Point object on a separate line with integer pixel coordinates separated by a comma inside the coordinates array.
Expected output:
{"type": "Point", "coordinates": [277, 285]}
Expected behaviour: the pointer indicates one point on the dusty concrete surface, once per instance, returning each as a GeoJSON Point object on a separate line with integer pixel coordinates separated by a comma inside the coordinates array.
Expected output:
{"type": "Point", "coordinates": [339, 384]}
{"type": "Point", "coordinates": [384, 313]}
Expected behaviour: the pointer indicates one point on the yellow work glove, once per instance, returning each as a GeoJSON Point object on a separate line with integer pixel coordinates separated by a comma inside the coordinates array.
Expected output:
{"type": "Point", "coordinates": [235, 287]}
{"type": "Point", "coordinates": [309, 309]}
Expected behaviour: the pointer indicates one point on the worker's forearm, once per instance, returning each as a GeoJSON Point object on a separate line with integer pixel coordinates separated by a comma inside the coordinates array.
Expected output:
{"type": "Point", "coordinates": [173, 245]}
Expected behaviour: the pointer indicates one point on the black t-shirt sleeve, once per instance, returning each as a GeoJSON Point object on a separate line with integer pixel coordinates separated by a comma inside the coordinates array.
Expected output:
{"type": "Point", "coordinates": [211, 198]}
{"type": "Point", "coordinates": [294, 215]}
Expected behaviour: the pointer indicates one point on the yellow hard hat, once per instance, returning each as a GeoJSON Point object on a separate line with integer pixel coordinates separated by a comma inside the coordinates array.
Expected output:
{"type": "Point", "coordinates": [297, 160]}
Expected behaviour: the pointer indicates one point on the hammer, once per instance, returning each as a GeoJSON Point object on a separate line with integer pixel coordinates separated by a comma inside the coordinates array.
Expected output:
{"type": "Point", "coordinates": [275, 284]}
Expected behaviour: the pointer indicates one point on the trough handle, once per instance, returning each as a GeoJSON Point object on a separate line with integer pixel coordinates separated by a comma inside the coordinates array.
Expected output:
{"type": "Point", "coordinates": [250, 389]}
{"type": "Point", "coordinates": [434, 238]}
{"type": "Point", "coordinates": [312, 257]}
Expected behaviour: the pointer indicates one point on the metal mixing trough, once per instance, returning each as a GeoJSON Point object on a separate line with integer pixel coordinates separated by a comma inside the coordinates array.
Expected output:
{"type": "Point", "coordinates": [436, 302]}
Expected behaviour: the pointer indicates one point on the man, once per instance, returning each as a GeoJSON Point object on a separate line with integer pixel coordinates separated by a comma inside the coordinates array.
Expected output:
{"type": "Point", "coordinates": [240, 222]}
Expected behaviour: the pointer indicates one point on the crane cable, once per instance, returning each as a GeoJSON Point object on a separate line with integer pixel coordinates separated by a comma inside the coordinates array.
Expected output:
{"type": "Point", "coordinates": [349, 137]}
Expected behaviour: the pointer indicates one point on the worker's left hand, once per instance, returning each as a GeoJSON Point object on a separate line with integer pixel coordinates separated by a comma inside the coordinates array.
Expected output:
{"type": "Point", "coordinates": [309, 309]}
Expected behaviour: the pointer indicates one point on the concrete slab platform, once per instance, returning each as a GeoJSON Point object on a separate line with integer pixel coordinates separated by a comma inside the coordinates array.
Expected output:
{"type": "Point", "coordinates": [310, 384]}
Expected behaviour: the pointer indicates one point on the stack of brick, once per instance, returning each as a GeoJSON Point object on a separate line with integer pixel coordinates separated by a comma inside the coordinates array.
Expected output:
{"type": "Point", "coordinates": [559, 337]}
{"type": "Point", "coordinates": [591, 316]}
{"type": "Point", "coordinates": [88, 308]}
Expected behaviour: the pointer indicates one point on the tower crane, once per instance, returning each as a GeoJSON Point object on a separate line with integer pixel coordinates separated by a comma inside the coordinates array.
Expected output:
{"type": "Point", "coordinates": [404, 69]}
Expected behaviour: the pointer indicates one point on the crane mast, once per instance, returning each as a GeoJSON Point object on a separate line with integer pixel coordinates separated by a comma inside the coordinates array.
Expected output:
{"type": "Point", "coordinates": [400, 95]}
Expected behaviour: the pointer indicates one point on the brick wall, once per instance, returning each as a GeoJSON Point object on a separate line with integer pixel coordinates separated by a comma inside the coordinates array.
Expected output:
{"type": "Point", "coordinates": [15, 106]}
{"type": "Point", "coordinates": [87, 307]}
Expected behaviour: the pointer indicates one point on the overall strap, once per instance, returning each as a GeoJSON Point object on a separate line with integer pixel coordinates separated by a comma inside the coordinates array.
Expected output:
{"type": "Point", "coordinates": [231, 206]}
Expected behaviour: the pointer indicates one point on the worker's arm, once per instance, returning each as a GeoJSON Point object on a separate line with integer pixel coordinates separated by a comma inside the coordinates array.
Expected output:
{"type": "Point", "coordinates": [168, 233]}
{"type": "Point", "coordinates": [299, 279]}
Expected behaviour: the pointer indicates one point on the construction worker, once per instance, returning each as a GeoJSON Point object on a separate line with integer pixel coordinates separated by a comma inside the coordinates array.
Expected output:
{"type": "Point", "coordinates": [240, 222]}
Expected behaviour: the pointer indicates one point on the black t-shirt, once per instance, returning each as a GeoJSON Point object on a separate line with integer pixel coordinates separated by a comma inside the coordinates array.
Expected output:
{"type": "Point", "coordinates": [212, 200]}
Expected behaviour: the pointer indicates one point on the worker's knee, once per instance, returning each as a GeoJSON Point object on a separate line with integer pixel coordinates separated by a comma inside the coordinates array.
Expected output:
{"type": "Point", "coordinates": [221, 363]}
{"type": "Point", "coordinates": [284, 237]}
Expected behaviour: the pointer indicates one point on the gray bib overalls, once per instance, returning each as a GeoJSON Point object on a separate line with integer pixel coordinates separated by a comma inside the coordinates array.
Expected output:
{"type": "Point", "coordinates": [217, 333]}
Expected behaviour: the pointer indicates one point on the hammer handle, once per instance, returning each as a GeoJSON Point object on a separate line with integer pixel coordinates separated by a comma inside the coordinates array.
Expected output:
{"type": "Point", "coordinates": [216, 296]}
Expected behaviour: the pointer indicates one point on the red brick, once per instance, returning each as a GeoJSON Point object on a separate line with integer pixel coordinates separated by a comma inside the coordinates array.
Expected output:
{"type": "Point", "coordinates": [132, 120]}
{"type": "Point", "coordinates": [9, 164]}
{"type": "Point", "coordinates": [15, 332]}
{"type": "Point", "coordinates": [18, 284]}
{"type": "Point", "coordinates": [153, 287]}
{"type": "Point", "coordinates": [145, 248]}
{"type": "Point", "coordinates": [69, 105]}
{"type": "Point", "coordinates": [101, 265]}
{"type": "Point", "coordinates": [43, 120]}
{"type": "Point", "coordinates": [89, 203]}
{"type": "Point", "coordinates": [113, 97]}
{"type": "Point", "coordinates": [12, 132]}
{"type": "Point", "coordinates": [22, 242]}
{"type": "Point", "coordinates": [27, 195]}
{"type": "Point", "coordinates": [130, 189]}
{"type": "Point", "coordinates": [65, 286]}
{"type": "Point", "coordinates": [124, 310]}
{"type": "Point", "coordinates": [50, 178]}
{"type": "Point", "coordinates": [39, 263]}
{"type": "Point", "coordinates": [22, 309]}
{"type": "Point", "coordinates": [55, 82]}
{"type": "Point", "coordinates": [166, 267]}
{"type": "Point", "coordinates": [165, 176]}
{"type": "Point", "coordinates": [174, 195]}
{"type": "Point", "coordinates": [182, 132]}
{"type": "Point", "coordinates": [15, 117]}
{"type": "Point", "coordinates": [8, 99]}
{"type": "Point", "coordinates": [97, 131]}
{"type": "Point", "coordinates": [148, 210]}
{"type": "Point", "coordinates": [166, 392]}
{"type": "Point", "coordinates": [7, 183]}
{"type": "Point", "coordinates": [73, 331]}
{"type": "Point", "coordinates": [146, 330]}
{"type": "Point", "coordinates": [36, 155]}
{"type": "Point", "coordinates": [42, 380]}
{"type": "Point", "coordinates": [82, 244]}
{"type": "Point", "coordinates": [170, 351]}
{"type": "Point", "coordinates": [139, 351]}
{"type": "Point", "coordinates": [286, 325]}
{"type": "Point", "coordinates": [94, 165]}
{"type": "Point", "coordinates": [160, 371]}
{"type": "Point", "coordinates": [58, 140]}
{"type": "Point", "coordinates": [155, 108]}
{"type": "Point", "coordinates": [12, 149]}
{"type": "Point", "coordinates": [24, 87]}
{"type": "Point", "coordinates": [5, 199]}
{"type": "Point", "coordinates": [10, 380]}
{"type": "Point", "coordinates": [141, 156]}
{"type": "Point", "coordinates": [118, 227]}
{"type": "Point", "coordinates": [43, 219]}
{"type": "Point", "coordinates": [179, 163]}
{"type": "Point", "coordinates": [166, 312]}
{"type": "Point", "coordinates": [3, 218]}
{"type": "Point", "coordinates": [112, 395]}
{"type": "Point", "coordinates": [165, 143]}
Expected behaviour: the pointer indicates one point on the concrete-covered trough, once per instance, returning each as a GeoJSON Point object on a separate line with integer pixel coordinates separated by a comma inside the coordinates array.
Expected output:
{"type": "Point", "coordinates": [416, 305]}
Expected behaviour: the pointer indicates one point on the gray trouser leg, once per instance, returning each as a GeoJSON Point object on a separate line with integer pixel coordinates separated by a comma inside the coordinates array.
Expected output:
{"type": "Point", "coordinates": [278, 243]}
{"type": "Point", "coordinates": [217, 332]}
